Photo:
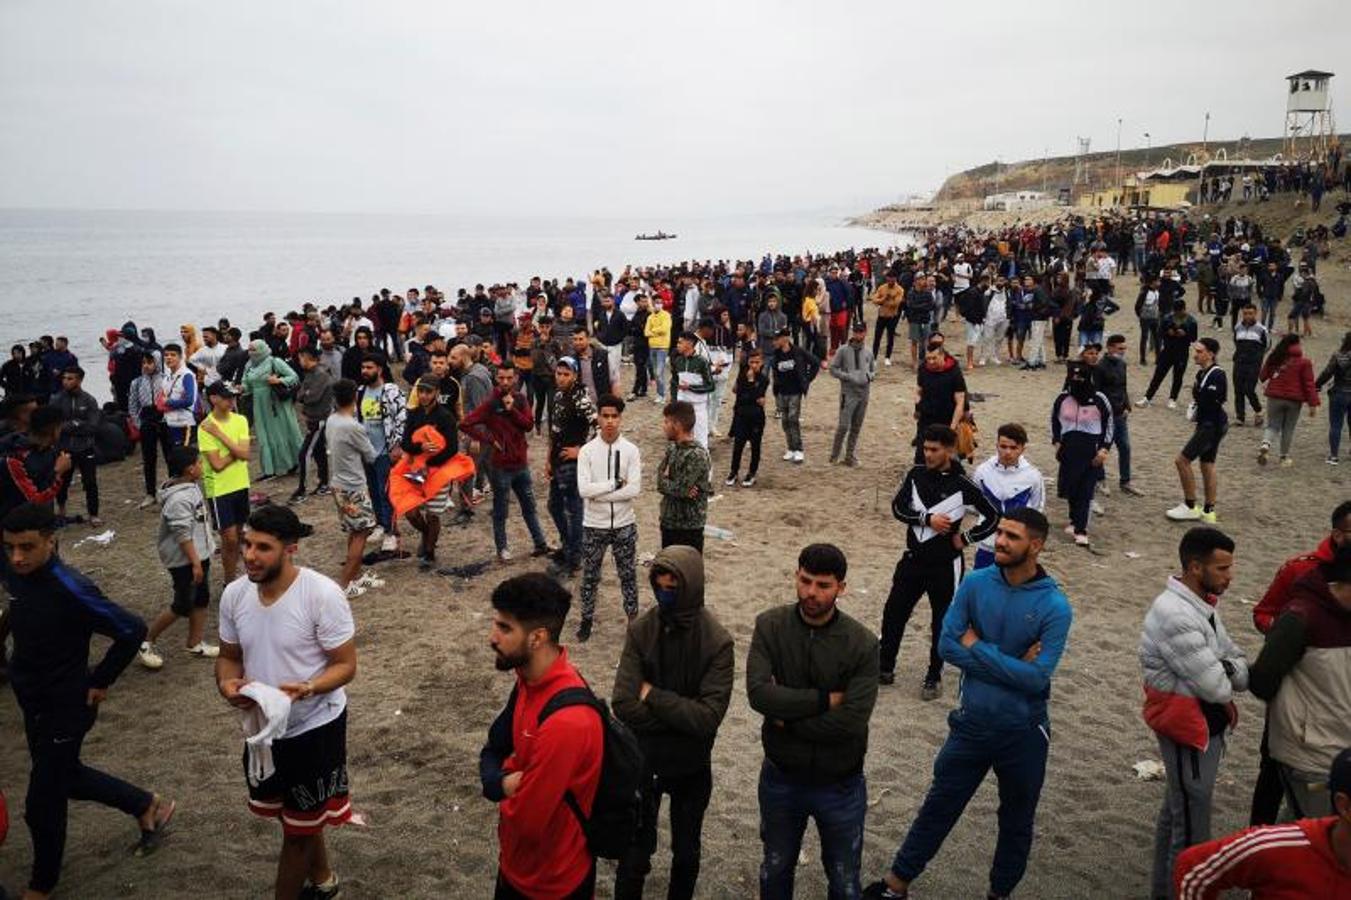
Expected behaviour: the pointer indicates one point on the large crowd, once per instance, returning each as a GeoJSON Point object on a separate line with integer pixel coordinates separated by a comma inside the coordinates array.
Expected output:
{"type": "Point", "coordinates": [416, 408]}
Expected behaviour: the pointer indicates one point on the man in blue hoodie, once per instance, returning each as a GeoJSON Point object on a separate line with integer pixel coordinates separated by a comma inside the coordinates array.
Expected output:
{"type": "Point", "coordinates": [1005, 630]}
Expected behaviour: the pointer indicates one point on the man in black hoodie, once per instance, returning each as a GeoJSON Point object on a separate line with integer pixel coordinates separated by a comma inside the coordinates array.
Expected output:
{"type": "Point", "coordinates": [428, 411]}
{"type": "Point", "coordinates": [672, 688]}
{"type": "Point", "coordinates": [932, 501]}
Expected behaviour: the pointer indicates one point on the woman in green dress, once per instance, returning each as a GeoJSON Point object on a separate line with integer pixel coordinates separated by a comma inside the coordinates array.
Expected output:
{"type": "Point", "coordinates": [274, 420]}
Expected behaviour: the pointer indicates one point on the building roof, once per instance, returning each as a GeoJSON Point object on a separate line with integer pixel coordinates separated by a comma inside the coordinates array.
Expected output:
{"type": "Point", "coordinates": [1309, 73]}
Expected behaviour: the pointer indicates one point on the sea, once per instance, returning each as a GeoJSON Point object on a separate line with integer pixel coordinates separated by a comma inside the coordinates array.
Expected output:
{"type": "Point", "coordinates": [79, 273]}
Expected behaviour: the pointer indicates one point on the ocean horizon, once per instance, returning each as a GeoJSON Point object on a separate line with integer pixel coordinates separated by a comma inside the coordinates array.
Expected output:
{"type": "Point", "coordinates": [81, 272]}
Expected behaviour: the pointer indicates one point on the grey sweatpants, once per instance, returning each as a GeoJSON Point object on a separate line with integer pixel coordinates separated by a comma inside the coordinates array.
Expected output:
{"type": "Point", "coordinates": [853, 407]}
{"type": "Point", "coordinates": [1184, 819]}
{"type": "Point", "coordinates": [1282, 417]}
{"type": "Point", "coordinates": [790, 412]}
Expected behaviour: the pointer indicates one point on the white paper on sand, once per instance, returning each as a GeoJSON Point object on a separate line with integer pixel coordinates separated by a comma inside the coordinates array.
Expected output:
{"type": "Point", "coordinates": [102, 540]}
{"type": "Point", "coordinates": [1131, 554]}
{"type": "Point", "coordinates": [1149, 770]}
{"type": "Point", "coordinates": [950, 506]}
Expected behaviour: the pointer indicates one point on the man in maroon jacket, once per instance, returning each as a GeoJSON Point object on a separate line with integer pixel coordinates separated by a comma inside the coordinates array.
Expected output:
{"type": "Point", "coordinates": [1267, 792]}
{"type": "Point", "coordinates": [502, 421]}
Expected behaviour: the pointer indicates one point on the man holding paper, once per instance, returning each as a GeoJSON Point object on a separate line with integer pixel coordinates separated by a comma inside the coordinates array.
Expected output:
{"type": "Point", "coordinates": [933, 500]}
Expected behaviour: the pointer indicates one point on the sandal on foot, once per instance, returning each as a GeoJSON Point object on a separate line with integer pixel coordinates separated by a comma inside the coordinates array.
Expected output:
{"type": "Point", "coordinates": [150, 840]}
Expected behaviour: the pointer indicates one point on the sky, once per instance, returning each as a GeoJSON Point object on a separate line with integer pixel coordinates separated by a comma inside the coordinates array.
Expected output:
{"type": "Point", "coordinates": [581, 108]}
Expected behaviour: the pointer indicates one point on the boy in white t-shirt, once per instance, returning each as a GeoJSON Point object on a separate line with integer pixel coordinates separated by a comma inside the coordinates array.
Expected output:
{"type": "Point", "coordinates": [291, 628]}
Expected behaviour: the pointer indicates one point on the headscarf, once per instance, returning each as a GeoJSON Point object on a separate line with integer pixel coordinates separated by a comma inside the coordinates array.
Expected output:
{"type": "Point", "coordinates": [259, 353]}
{"type": "Point", "coordinates": [191, 343]}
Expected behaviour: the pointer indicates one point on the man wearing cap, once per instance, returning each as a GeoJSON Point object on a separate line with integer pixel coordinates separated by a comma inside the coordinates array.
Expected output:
{"type": "Point", "coordinates": [223, 440]}
{"type": "Point", "coordinates": [1307, 858]}
{"type": "Point", "coordinates": [855, 367]}
{"type": "Point", "coordinates": [1207, 411]}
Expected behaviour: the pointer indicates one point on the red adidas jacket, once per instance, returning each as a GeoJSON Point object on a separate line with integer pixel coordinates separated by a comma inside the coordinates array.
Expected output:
{"type": "Point", "coordinates": [1268, 609]}
{"type": "Point", "coordinates": [543, 850]}
{"type": "Point", "coordinates": [1275, 862]}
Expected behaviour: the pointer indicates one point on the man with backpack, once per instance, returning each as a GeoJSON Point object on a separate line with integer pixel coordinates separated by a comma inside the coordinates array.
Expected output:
{"type": "Point", "coordinates": [542, 762]}
{"type": "Point", "coordinates": [672, 688]}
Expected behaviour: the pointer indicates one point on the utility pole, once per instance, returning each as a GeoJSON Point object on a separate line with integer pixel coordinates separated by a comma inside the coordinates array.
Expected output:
{"type": "Point", "coordinates": [1148, 147]}
{"type": "Point", "coordinates": [1205, 136]}
{"type": "Point", "coordinates": [1118, 152]}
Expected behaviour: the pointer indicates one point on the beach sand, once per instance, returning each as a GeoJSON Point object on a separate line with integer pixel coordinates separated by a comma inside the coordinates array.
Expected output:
{"type": "Point", "coordinates": [426, 687]}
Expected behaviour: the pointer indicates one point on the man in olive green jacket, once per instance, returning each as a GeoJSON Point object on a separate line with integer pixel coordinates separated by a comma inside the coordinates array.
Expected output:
{"type": "Point", "coordinates": [672, 689]}
{"type": "Point", "coordinates": [812, 673]}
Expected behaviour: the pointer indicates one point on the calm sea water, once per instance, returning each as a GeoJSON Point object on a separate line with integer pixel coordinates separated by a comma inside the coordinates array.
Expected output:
{"type": "Point", "coordinates": [80, 273]}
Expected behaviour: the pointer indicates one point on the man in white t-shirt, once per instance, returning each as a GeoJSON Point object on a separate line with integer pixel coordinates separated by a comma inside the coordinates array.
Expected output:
{"type": "Point", "coordinates": [291, 628]}
{"type": "Point", "coordinates": [961, 274]}
{"type": "Point", "coordinates": [207, 357]}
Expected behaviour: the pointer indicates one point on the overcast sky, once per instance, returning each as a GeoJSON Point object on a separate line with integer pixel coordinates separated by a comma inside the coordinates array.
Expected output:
{"type": "Point", "coordinates": [611, 109]}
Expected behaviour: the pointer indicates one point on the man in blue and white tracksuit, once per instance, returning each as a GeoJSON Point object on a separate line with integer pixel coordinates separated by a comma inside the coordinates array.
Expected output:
{"type": "Point", "coordinates": [1006, 630]}
{"type": "Point", "coordinates": [1009, 482]}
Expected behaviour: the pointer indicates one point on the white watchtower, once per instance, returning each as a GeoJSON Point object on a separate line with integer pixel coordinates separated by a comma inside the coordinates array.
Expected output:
{"type": "Point", "coordinates": [1308, 115]}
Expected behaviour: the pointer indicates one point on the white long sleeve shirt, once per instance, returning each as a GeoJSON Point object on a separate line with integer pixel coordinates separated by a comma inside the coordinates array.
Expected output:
{"type": "Point", "coordinates": [599, 467]}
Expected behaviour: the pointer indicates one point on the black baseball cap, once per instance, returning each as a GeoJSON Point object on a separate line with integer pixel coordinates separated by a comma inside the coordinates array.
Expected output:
{"type": "Point", "coordinates": [220, 389]}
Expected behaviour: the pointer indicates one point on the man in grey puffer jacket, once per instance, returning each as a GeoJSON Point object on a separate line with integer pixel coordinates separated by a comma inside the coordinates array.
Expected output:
{"type": "Point", "coordinates": [1192, 669]}
{"type": "Point", "coordinates": [855, 368]}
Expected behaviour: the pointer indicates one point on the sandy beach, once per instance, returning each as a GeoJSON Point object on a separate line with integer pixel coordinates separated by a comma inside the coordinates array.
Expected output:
{"type": "Point", "coordinates": [426, 688]}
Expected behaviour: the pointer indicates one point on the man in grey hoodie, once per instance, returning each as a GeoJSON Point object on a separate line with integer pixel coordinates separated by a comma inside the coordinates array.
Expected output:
{"type": "Point", "coordinates": [855, 367]}
{"type": "Point", "coordinates": [185, 546]}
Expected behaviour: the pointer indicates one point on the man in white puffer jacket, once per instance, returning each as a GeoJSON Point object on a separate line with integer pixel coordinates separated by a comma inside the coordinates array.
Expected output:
{"type": "Point", "coordinates": [1191, 672]}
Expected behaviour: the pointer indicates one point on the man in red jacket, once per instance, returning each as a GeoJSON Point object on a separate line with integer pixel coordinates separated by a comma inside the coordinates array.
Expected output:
{"type": "Point", "coordinates": [1267, 792]}
{"type": "Point", "coordinates": [1294, 861]}
{"type": "Point", "coordinates": [537, 772]}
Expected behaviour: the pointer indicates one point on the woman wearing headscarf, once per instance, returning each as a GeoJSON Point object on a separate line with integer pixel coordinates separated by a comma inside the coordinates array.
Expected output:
{"type": "Point", "coordinates": [1081, 431]}
{"type": "Point", "coordinates": [269, 382]}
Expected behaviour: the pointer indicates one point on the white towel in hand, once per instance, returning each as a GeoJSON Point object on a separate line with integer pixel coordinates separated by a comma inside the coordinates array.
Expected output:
{"type": "Point", "coordinates": [263, 723]}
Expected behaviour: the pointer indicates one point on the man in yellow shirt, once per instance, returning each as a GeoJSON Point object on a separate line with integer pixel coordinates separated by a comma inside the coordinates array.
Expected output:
{"type": "Point", "coordinates": [889, 296]}
{"type": "Point", "coordinates": [657, 329]}
{"type": "Point", "coordinates": [223, 439]}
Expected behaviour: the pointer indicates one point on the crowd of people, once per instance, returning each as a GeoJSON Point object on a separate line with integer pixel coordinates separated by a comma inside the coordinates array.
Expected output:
{"type": "Point", "coordinates": [420, 407]}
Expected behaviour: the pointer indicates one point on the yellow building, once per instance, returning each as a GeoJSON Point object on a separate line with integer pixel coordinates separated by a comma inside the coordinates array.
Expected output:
{"type": "Point", "coordinates": [1168, 194]}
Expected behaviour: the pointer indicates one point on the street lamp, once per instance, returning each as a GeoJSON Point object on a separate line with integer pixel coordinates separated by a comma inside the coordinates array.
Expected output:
{"type": "Point", "coordinates": [1147, 149]}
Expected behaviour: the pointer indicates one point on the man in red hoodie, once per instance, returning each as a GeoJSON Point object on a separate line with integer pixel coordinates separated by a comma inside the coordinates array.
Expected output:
{"type": "Point", "coordinates": [1294, 861]}
{"type": "Point", "coordinates": [1267, 792]}
{"type": "Point", "coordinates": [540, 775]}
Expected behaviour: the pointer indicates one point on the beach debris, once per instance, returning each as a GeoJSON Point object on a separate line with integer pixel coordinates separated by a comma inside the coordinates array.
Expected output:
{"type": "Point", "coordinates": [1149, 770]}
{"type": "Point", "coordinates": [802, 858]}
{"type": "Point", "coordinates": [645, 559]}
{"type": "Point", "coordinates": [722, 534]}
{"type": "Point", "coordinates": [878, 799]}
{"type": "Point", "coordinates": [398, 712]}
{"type": "Point", "coordinates": [103, 539]}
{"type": "Point", "coordinates": [715, 498]}
{"type": "Point", "coordinates": [1131, 554]}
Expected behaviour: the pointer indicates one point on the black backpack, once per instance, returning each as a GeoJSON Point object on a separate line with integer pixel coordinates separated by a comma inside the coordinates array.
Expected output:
{"type": "Point", "coordinates": [617, 811]}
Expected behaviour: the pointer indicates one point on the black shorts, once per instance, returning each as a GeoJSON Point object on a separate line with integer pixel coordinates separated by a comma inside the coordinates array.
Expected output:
{"type": "Point", "coordinates": [229, 510]}
{"type": "Point", "coordinates": [308, 790]}
{"type": "Point", "coordinates": [189, 596]}
{"type": "Point", "coordinates": [1204, 443]}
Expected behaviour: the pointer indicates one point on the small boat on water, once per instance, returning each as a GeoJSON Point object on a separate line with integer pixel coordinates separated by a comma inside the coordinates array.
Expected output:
{"type": "Point", "coordinates": [659, 236]}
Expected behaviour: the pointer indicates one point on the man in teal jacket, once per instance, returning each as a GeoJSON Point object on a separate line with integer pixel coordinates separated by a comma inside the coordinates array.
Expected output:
{"type": "Point", "coordinates": [1005, 630]}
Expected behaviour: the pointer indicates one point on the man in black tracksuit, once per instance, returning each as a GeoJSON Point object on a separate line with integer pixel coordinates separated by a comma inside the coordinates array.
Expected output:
{"type": "Point", "coordinates": [672, 688]}
{"type": "Point", "coordinates": [55, 610]}
{"type": "Point", "coordinates": [932, 501]}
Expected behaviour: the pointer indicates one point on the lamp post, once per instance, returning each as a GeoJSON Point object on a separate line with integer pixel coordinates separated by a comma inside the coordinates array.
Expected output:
{"type": "Point", "coordinates": [1205, 135]}
{"type": "Point", "coordinates": [1147, 149]}
{"type": "Point", "coordinates": [1118, 152]}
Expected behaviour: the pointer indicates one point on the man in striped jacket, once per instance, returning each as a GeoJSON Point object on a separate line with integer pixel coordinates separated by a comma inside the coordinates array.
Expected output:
{"type": "Point", "coordinates": [1298, 860]}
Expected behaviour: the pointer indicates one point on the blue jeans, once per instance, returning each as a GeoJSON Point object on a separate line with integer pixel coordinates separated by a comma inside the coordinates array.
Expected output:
{"type": "Point", "coordinates": [1019, 762]}
{"type": "Point", "coordinates": [1339, 405]}
{"type": "Point", "coordinates": [838, 809]}
{"type": "Point", "coordinates": [566, 508]}
{"type": "Point", "coordinates": [1121, 443]}
{"type": "Point", "coordinates": [504, 484]}
{"type": "Point", "coordinates": [656, 364]}
{"type": "Point", "coordinates": [378, 476]}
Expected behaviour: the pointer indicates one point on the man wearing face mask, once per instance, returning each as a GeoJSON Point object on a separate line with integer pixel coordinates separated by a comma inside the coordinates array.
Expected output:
{"type": "Point", "coordinates": [1081, 432]}
{"type": "Point", "coordinates": [672, 689]}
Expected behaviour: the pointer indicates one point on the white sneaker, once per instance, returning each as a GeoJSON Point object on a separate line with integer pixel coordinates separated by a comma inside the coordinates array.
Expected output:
{"type": "Point", "coordinates": [354, 590]}
{"type": "Point", "coordinates": [799, 456]}
{"type": "Point", "coordinates": [1142, 402]}
{"type": "Point", "coordinates": [205, 650]}
{"type": "Point", "coordinates": [149, 657]}
{"type": "Point", "coordinates": [788, 456]}
{"type": "Point", "coordinates": [1172, 404]}
{"type": "Point", "coordinates": [390, 543]}
{"type": "Point", "coordinates": [146, 502]}
{"type": "Point", "coordinates": [887, 362]}
{"type": "Point", "coordinates": [1184, 513]}
{"type": "Point", "coordinates": [368, 579]}
{"type": "Point", "coordinates": [1081, 540]}
{"type": "Point", "coordinates": [376, 536]}
{"type": "Point", "coordinates": [1097, 508]}
{"type": "Point", "coordinates": [504, 555]}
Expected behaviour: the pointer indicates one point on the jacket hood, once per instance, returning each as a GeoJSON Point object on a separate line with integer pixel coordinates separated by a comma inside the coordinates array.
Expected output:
{"type": "Point", "coordinates": [169, 488]}
{"type": "Point", "coordinates": [1295, 350]}
{"type": "Point", "coordinates": [130, 331]}
{"type": "Point", "coordinates": [688, 567]}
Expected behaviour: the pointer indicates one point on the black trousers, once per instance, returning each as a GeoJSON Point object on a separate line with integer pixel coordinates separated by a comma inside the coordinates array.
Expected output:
{"type": "Point", "coordinates": [1060, 330]}
{"type": "Point", "coordinates": [84, 463]}
{"type": "Point", "coordinates": [154, 441]}
{"type": "Point", "coordinates": [1245, 389]}
{"type": "Point", "coordinates": [1177, 365]}
{"type": "Point", "coordinates": [641, 352]}
{"type": "Point", "coordinates": [54, 741]}
{"type": "Point", "coordinates": [542, 398]}
{"type": "Point", "coordinates": [1149, 336]}
{"type": "Point", "coordinates": [688, 537]}
{"type": "Point", "coordinates": [689, 796]}
{"type": "Point", "coordinates": [739, 444]}
{"type": "Point", "coordinates": [887, 324]}
{"type": "Point", "coordinates": [913, 579]}
{"type": "Point", "coordinates": [1268, 792]}
{"type": "Point", "coordinates": [316, 440]}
